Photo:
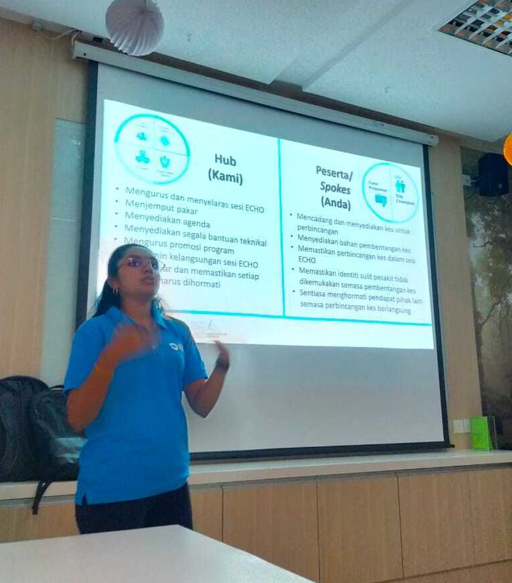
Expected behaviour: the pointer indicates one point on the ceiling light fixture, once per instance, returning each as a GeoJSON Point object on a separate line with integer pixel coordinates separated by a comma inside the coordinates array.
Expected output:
{"type": "Point", "coordinates": [487, 23]}
{"type": "Point", "coordinates": [135, 27]}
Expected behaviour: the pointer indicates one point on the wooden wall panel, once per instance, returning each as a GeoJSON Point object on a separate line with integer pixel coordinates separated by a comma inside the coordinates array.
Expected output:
{"type": "Point", "coordinates": [458, 576]}
{"type": "Point", "coordinates": [207, 511]}
{"type": "Point", "coordinates": [40, 82]}
{"type": "Point", "coordinates": [436, 522]}
{"type": "Point", "coordinates": [493, 573]}
{"type": "Point", "coordinates": [54, 519]}
{"type": "Point", "coordinates": [340, 530]}
{"type": "Point", "coordinates": [496, 573]}
{"type": "Point", "coordinates": [491, 510]}
{"type": "Point", "coordinates": [455, 285]}
{"type": "Point", "coordinates": [58, 518]}
{"type": "Point", "coordinates": [275, 522]}
{"type": "Point", "coordinates": [359, 529]}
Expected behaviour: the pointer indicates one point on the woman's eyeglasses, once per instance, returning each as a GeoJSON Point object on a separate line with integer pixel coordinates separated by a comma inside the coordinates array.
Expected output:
{"type": "Point", "coordinates": [139, 262]}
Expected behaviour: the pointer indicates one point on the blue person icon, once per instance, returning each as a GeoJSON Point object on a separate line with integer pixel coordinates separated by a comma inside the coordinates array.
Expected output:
{"type": "Point", "coordinates": [400, 185]}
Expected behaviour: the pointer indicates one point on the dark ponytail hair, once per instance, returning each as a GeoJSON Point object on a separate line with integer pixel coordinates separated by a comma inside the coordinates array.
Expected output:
{"type": "Point", "coordinates": [108, 299]}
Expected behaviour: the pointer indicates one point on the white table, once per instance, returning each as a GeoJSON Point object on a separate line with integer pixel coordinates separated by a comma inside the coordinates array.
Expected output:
{"type": "Point", "coordinates": [169, 554]}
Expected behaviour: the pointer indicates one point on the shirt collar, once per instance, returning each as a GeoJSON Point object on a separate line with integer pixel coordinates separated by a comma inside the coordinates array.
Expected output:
{"type": "Point", "coordinates": [158, 317]}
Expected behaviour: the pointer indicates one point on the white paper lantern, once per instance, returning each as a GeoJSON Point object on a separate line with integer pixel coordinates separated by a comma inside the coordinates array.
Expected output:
{"type": "Point", "coordinates": [135, 27]}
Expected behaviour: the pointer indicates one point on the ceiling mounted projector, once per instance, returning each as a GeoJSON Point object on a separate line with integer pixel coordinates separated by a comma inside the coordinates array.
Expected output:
{"type": "Point", "coordinates": [135, 27]}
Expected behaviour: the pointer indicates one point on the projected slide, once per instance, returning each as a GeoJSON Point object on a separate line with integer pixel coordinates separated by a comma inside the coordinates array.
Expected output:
{"type": "Point", "coordinates": [265, 240]}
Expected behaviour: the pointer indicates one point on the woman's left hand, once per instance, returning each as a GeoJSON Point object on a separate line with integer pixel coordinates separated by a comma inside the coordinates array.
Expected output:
{"type": "Point", "coordinates": [223, 360]}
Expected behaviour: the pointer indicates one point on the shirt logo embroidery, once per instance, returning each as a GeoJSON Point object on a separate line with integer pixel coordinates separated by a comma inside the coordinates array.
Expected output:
{"type": "Point", "coordinates": [176, 346]}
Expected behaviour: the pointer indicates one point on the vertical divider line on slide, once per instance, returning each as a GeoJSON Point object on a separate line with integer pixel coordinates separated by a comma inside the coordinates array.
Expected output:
{"type": "Point", "coordinates": [281, 223]}
{"type": "Point", "coordinates": [392, 193]}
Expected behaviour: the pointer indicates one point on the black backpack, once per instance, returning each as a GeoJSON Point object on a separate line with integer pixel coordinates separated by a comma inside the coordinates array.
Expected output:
{"type": "Point", "coordinates": [18, 453]}
{"type": "Point", "coordinates": [57, 443]}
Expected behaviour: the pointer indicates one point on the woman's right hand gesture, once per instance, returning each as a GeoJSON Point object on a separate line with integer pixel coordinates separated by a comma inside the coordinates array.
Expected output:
{"type": "Point", "coordinates": [84, 403]}
{"type": "Point", "coordinates": [128, 341]}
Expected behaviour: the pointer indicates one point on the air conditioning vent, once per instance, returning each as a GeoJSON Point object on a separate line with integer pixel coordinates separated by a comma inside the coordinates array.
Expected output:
{"type": "Point", "coordinates": [487, 23]}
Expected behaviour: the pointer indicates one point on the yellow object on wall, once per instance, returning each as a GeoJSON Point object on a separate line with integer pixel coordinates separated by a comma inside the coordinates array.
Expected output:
{"type": "Point", "coordinates": [507, 149]}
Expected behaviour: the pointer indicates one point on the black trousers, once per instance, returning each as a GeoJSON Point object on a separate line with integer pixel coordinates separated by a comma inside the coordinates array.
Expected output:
{"type": "Point", "coordinates": [162, 510]}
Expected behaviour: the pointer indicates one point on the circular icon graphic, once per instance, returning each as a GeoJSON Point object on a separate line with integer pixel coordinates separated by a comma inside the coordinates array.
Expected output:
{"type": "Point", "coordinates": [152, 148]}
{"type": "Point", "coordinates": [390, 193]}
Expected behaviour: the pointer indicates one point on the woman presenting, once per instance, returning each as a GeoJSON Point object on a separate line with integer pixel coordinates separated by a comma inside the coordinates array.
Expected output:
{"type": "Point", "coordinates": [128, 368]}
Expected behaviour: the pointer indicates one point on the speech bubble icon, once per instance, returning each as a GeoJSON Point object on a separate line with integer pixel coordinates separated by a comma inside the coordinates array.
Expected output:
{"type": "Point", "coordinates": [381, 199]}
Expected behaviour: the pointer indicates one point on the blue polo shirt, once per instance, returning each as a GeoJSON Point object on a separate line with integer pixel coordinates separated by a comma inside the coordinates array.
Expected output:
{"type": "Point", "coordinates": [138, 444]}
